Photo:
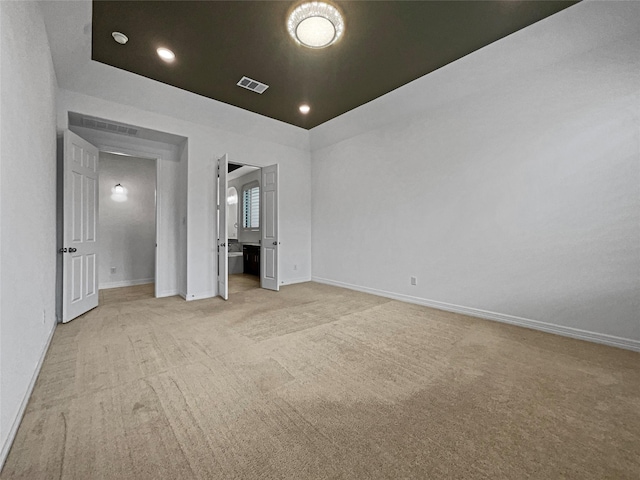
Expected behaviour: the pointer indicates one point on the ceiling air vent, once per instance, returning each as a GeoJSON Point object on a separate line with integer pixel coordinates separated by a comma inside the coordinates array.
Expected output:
{"type": "Point", "coordinates": [253, 85]}
{"type": "Point", "coordinates": [110, 127]}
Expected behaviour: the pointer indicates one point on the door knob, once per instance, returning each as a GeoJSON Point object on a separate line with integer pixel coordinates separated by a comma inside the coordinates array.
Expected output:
{"type": "Point", "coordinates": [63, 250]}
{"type": "Point", "coordinates": [275, 243]}
{"type": "Point", "coordinates": [71, 250]}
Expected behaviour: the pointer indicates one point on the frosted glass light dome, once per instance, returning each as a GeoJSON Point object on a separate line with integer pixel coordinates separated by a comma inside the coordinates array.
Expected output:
{"type": "Point", "coordinates": [315, 24]}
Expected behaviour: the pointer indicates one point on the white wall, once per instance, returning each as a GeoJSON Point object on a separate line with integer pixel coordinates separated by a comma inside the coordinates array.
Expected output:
{"type": "Point", "coordinates": [205, 146]}
{"type": "Point", "coordinates": [28, 208]}
{"type": "Point", "coordinates": [506, 182]}
{"type": "Point", "coordinates": [127, 225]}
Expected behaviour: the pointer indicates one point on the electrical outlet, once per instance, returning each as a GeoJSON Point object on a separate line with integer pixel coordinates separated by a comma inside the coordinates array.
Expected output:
{"type": "Point", "coordinates": [295, 267]}
{"type": "Point", "coordinates": [113, 270]}
{"type": "Point", "coordinates": [44, 316]}
{"type": "Point", "coordinates": [414, 281]}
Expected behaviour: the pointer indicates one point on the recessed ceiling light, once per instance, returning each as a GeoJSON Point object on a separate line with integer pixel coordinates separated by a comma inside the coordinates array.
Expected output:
{"type": "Point", "coordinates": [121, 38]}
{"type": "Point", "coordinates": [305, 109]}
{"type": "Point", "coordinates": [315, 24]}
{"type": "Point", "coordinates": [166, 54]}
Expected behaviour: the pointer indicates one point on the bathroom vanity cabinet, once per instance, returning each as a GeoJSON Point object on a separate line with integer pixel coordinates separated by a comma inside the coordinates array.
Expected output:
{"type": "Point", "coordinates": [251, 257]}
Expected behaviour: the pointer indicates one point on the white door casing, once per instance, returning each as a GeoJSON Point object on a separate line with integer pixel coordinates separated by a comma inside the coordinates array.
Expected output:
{"type": "Point", "coordinates": [80, 243]}
{"type": "Point", "coordinates": [270, 243]}
{"type": "Point", "coordinates": [223, 248]}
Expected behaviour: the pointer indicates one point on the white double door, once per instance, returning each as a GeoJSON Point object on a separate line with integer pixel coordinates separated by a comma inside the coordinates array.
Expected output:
{"type": "Point", "coordinates": [269, 244]}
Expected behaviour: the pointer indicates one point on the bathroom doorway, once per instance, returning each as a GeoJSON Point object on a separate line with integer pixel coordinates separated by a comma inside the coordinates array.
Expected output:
{"type": "Point", "coordinates": [247, 243]}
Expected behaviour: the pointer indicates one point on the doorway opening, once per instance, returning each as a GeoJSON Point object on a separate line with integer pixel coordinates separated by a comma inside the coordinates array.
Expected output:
{"type": "Point", "coordinates": [243, 226]}
{"type": "Point", "coordinates": [247, 227]}
{"type": "Point", "coordinates": [139, 200]}
{"type": "Point", "coordinates": [127, 221]}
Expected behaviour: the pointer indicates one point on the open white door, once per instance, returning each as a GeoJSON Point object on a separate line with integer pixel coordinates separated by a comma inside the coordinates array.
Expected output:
{"type": "Point", "coordinates": [270, 244]}
{"type": "Point", "coordinates": [223, 258]}
{"type": "Point", "coordinates": [80, 209]}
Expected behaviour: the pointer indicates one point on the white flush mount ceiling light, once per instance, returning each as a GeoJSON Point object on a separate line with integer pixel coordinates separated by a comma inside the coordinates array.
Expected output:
{"type": "Point", "coordinates": [166, 54]}
{"type": "Point", "coordinates": [305, 109]}
{"type": "Point", "coordinates": [315, 24]}
{"type": "Point", "coordinates": [121, 38]}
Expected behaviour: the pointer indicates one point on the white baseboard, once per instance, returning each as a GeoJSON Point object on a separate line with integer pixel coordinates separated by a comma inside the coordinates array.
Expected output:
{"type": "Point", "coordinates": [293, 281]}
{"type": "Point", "coordinates": [620, 342]}
{"type": "Point", "coordinates": [125, 283]}
{"type": "Point", "coordinates": [199, 296]}
{"type": "Point", "coordinates": [167, 293]}
{"type": "Point", "coordinates": [23, 405]}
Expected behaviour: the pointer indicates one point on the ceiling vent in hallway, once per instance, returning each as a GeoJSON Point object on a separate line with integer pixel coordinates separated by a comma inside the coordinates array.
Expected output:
{"type": "Point", "coordinates": [108, 126]}
{"type": "Point", "coordinates": [78, 120]}
{"type": "Point", "coordinates": [253, 85]}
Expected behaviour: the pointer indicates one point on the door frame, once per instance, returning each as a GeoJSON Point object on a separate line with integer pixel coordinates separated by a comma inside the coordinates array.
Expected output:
{"type": "Point", "coordinates": [147, 154]}
{"type": "Point", "coordinates": [259, 167]}
{"type": "Point", "coordinates": [222, 247]}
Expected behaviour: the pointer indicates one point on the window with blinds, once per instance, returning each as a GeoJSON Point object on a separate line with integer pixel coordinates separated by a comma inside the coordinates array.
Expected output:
{"type": "Point", "coordinates": [251, 206]}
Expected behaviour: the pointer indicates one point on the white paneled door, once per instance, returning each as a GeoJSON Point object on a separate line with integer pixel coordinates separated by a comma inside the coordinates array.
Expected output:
{"type": "Point", "coordinates": [80, 247]}
{"type": "Point", "coordinates": [223, 249]}
{"type": "Point", "coordinates": [270, 243]}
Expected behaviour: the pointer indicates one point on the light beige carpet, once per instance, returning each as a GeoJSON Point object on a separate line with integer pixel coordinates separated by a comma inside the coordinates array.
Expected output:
{"type": "Point", "coordinates": [317, 382]}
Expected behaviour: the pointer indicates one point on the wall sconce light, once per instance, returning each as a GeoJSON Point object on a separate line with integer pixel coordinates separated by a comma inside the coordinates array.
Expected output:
{"type": "Point", "coordinates": [119, 193]}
